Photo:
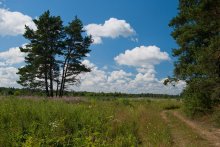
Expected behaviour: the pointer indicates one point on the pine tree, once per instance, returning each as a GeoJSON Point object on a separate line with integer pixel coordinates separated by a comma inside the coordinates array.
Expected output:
{"type": "Point", "coordinates": [197, 32]}
{"type": "Point", "coordinates": [76, 48]}
{"type": "Point", "coordinates": [45, 44]}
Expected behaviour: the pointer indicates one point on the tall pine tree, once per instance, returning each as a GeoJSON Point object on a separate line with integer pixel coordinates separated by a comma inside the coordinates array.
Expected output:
{"type": "Point", "coordinates": [76, 48]}
{"type": "Point", "coordinates": [45, 44]}
{"type": "Point", "coordinates": [197, 32]}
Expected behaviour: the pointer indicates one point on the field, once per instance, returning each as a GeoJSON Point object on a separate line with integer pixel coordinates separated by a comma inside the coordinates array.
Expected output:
{"type": "Point", "coordinates": [94, 122]}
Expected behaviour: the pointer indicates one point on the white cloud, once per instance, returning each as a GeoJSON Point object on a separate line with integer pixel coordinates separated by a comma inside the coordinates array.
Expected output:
{"type": "Point", "coordinates": [144, 60]}
{"type": "Point", "coordinates": [11, 56]}
{"type": "Point", "coordinates": [88, 64]}
{"type": "Point", "coordinates": [143, 56]}
{"type": "Point", "coordinates": [99, 80]}
{"type": "Point", "coordinates": [13, 23]}
{"type": "Point", "coordinates": [95, 77]}
{"type": "Point", "coordinates": [146, 77]}
{"type": "Point", "coordinates": [8, 77]}
{"type": "Point", "coordinates": [119, 75]}
{"type": "Point", "coordinates": [112, 28]}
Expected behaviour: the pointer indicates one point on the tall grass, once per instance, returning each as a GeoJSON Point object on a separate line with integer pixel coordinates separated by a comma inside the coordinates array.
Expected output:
{"type": "Point", "coordinates": [94, 123]}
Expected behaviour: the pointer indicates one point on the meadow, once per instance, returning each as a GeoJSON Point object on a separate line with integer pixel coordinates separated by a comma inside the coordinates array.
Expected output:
{"type": "Point", "coordinates": [91, 122]}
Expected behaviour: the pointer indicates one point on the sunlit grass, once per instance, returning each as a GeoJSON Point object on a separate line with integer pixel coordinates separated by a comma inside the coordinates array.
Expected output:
{"type": "Point", "coordinates": [119, 122]}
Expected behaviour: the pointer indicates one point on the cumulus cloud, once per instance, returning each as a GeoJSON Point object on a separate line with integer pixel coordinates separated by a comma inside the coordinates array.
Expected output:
{"type": "Point", "coordinates": [149, 76]}
{"type": "Point", "coordinates": [143, 57]}
{"type": "Point", "coordinates": [99, 80]}
{"type": "Point", "coordinates": [95, 76]}
{"type": "Point", "coordinates": [11, 56]}
{"type": "Point", "coordinates": [13, 23]}
{"type": "Point", "coordinates": [119, 76]}
{"type": "Point", "coordinates": [112, 28]}
{"type": "Point", "coordinates": [8, 77]}
{"type": "Point", "coordinates": [8, 59]}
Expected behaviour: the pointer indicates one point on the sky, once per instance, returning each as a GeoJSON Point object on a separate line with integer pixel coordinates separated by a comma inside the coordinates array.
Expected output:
{"type": "Point", "coordinates": [132, 48]}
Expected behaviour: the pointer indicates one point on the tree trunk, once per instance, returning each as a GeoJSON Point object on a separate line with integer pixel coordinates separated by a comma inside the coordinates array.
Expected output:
{"type": "Point", "coordinates": [51, 79]}
{"type": "Point", "coordinates": [57, 87]}
{"type": "Point", "coordinates": [63, 75]}
{"type": "Point", "coordinates": [46, 82]}
{"type": "Point", "coordinates": [62, 78]}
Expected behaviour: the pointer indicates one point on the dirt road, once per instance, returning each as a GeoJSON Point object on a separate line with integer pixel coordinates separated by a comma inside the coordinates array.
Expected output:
{"type": "Point", "coordinates": [209, 134]}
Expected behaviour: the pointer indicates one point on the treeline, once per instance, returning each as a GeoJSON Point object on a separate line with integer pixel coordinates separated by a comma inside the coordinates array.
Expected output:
{"type": "Point", "coordinates": [54, 54]}
{"type": "Point", "coordinates": [11, 91]}
{"type": "Point", "coordinates": [34, 92]}
{"type": "Point", "coordinates": [125, 95]}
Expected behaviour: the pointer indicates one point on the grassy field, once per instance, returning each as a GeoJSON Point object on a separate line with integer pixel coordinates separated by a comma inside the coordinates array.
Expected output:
{"type": "Point", "coordinates": [91, 122]}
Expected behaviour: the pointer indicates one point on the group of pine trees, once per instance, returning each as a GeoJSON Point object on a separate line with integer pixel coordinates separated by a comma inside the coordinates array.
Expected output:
{"type": "Point", "coordinates": [196, 30]}
{"type": "Point", "coordinates": [54, 54]}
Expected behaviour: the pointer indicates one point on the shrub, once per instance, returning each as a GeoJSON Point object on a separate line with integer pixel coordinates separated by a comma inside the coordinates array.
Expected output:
{"type": "Point", "coordinates": [196, 104]}
{"type": "Point", "coordinates": [17, 93]}
{"type": "Point", "coordinates": [171, 106]}
{"type": "Point", "coordinates": [197, 97]}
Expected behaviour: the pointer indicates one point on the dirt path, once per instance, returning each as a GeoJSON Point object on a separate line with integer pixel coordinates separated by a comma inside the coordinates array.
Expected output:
{"type": "Point", "coordinates": [211, 135]}
{"type": "Point", "coordinates": [177, 136]}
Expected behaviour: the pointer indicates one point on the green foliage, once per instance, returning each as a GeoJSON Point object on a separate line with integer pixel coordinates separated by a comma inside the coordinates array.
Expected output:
{"type": "Point", "coordinates": [196, 30]}
{"type": "Point", "coordinates": [76, 48]}
{"type": "Point", "coordinates": [45, 44]}
{"type": "Point", "coordinates": [171, 106]}
{"type": "Point", "coordinates": [17, 93]}
{"type": "Point", "coordinates": [197, 98]}
{"type": "Point", "coordinates": [54, 54]}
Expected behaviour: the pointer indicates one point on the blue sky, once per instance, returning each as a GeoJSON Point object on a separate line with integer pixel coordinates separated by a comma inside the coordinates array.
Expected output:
{"type": "Point", "coordinates": [143, 21]}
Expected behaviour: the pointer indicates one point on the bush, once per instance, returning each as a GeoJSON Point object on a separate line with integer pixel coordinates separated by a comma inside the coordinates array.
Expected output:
{"type": "Point", "coordinates": [171, 107]}
{"type": "Point", "coordinates": [17, 93]}
{"type": "Point", "coordinates": [197, 99]}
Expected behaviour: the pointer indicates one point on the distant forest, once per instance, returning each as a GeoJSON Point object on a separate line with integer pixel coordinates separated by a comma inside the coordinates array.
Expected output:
{"type": "Point", "coordinates": [30, 92]}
